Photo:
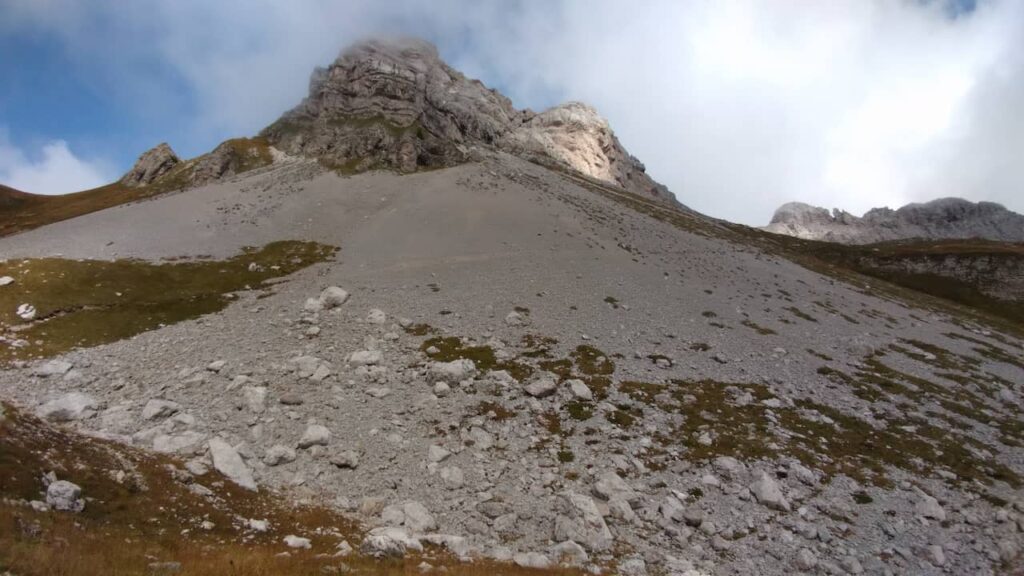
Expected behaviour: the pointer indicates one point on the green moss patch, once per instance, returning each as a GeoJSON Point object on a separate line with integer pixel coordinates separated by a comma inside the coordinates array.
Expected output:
{"type": "Point", "coordinates": [82, 303]}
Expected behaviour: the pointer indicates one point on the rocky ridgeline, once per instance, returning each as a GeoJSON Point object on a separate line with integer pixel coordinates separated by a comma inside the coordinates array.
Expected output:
{"type": "Point", "coordinates": [396, 104]}
{"type": "Point", "coordinates": [944, 218]}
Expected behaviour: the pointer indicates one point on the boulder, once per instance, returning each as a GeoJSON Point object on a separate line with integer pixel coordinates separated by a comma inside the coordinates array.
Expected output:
{"type": "Point", "coordinates": [768, 493]}
{"type": "Point", "coordinates": [583, 523]}
{"type": "Point", "coordinates": [71, 406]}
{"type": "Point", "coordinates": [542, 386]}
{"type": "Point", "coordinates": [65, 496]}
{"type": "Point", "coordinates": [389, 542]}
{"type": "Point", "coordinates": [333, 297]}
{"type": "Point", "coordinates": [315, 435]}
{"type": "Point", "coordinates": [227, 461]}
{"type": "Point", "coordinates": [53, 368]}
{"type": "Point", "coordinates": [156, 409]}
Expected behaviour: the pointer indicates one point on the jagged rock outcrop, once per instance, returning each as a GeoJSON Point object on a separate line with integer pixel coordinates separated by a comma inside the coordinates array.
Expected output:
{"type": "Point", "coordinates": [229, 158]}
{"type": "Point", "coordinates": [944, 218]}
{"type": "Point", "coordinates": [396, 104]}
{"type": "Point", "coordinates": [150, 166]}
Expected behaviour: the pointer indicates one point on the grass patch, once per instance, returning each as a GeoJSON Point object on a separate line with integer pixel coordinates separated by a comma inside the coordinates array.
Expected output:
{"type": "Point", "coordinates": [451, 348]}
{"type": "Point", "coordinates": [83, 303]}
{"type": "Point", "coordinates": [763, 331]}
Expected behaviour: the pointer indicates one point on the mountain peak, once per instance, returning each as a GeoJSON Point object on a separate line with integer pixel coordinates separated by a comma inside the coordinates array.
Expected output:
{"type": "Point", "coordinates": [394, 103]}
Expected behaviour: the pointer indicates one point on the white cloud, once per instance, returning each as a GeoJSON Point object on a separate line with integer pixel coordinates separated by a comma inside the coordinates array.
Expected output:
{"type": "Point", "coordinates": [736, 105]}
{"type": "Point", "coordinates": [53, 170]}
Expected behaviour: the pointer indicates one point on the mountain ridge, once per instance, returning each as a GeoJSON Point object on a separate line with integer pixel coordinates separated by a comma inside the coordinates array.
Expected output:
{"type": "Point", "coordinates": [942, 218]}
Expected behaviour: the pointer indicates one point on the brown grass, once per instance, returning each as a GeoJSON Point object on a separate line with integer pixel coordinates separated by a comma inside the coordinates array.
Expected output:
{"type": "Point", "coordinates": [149, 516]}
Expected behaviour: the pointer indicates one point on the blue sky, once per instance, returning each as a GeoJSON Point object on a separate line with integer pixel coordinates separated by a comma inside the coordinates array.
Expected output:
{"type": "Point", "coordinates": [852, 103]}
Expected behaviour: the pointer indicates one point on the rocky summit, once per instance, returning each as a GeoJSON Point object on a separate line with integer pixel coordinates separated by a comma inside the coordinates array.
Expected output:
{"type": "Point", "coordinates": [396, 104]}
{"type": "Point", "coordinates": [409, 327]}
{"type": "Point", "coordinates": [944, 218]}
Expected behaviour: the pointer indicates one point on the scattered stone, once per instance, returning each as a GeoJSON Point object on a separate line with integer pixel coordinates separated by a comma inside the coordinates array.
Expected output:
{"type": "Point", "coordinates": [805, 559]}
{"type": "Point", "coordinates": [437, 453]}
{"type": "Point", "coordinates": [64, 496]}
{"type": "Point", "coordinates": [348, 459]}
{"type": "Point", "coordinates": [156, 409]}
{"type": "Point", "coordinates": [583, 523]}
{"type": "Point", "coordinates": [418, 518]}
{"type": "Point", "coordinates": [6, 280]}
{"type": "Point", "coordinates": [454, 371]}
{"type": "Point", "coordinates": [227, 461]}
{"type": "Point", "coordinates": [315, 435]}
{"type": "Point", "coordinates": [293, 541]}
{"type": "Point", "coordinates": [935, 554]}
{"type": "Point", "coordinates": [291, 399]}
{"type": "Point", "coordinates": [53, 368]}
{"type": "Point", "coordinates": [514, 318]}
{"type": "Point", "coordinates": [542, 386]}
{"type": "Point", "coordinates": [255, 398]}
{"type": "Point", "coordinates": [580, 390]}
{"type": "Point", "coordinates": [217, 365]}
{"type": "Point", "coordinates": [768, 493]}
{"type": "Point", "coordinates": [929, 507]}
{"type": "Point", "coordinates": [452, 476]}
{"type": "Point", "coordinates": [365, 358]}
{"type": "Point", "coordinates": [71, 406]}
{"type": "Point", "coordinates": [26, 311]}
{"type": "Point", "coordinates": [569, 553]}
{"type": "Point", "coordinates": [278, 454]}
{"type": "Point", "coordinates": [534, 560]}
{"type": "Point", "coordinates": [389, 542]}
{"type": "Point", "coordinates": [441, 389]}
{"type": "Point", "coordinates": [376, 316]}
{"type": "Point", "coordinates": [333, 297]}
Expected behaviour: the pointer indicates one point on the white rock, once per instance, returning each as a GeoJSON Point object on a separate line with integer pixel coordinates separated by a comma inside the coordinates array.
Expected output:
{"type": "Point", "coordinates": [441, 389]}
{"type": "Point", "coordinates": [534, 560]}
{"type": "Point", "coordinates": [569, 553]}
{"type": "Point", "coordinates": [315, 435]}
{"type": "Point", "coordinates": [255, 398]}
{"type": "Point", "coordinates": [929, 507]}
{"type": "Point", "coordinates": [278, 454]}
{"type": "Point", "coordinates": [71, 406]}
{"type": "Point", "coordinates": [216, 365]}
{"type": "Point", "coordinates": [768, 493]}
{"type": "Point", "coordinates": [333, 296]}
{"type": "Point", "coordinates": [348, 459]}
{"type": "Point", "coordinates": [376, 316]}
{"type": "Point", "coordinates": [418, 518]}
{"type": "Point", "coordinates": [65, 496]}
{"type": "Point", "coordinates": [935, 554]}
{"type": "Point", "coordinates": [293, 541]}
{"type": "Point", "coordinates": [389, 542]}
{"type": "Point", "coordinates": [258, 525]}
{"type": "Point", "coordinates": [633, 566]}
{"type": "Point", "coordinates": [26, 311]}
{"type": "Point", "coordinates": [452, 476]}
{"type": "Point", "coordinates": [437, 453]}
{"type": "Point", "coordinates": [227, 461]}
{"type": "Point", "coordinates": [453, 371]}
{"type": "Point", "coordinates": [365, 358]}
{"type": "Point", "coordinates": [155, 409]}
{"type": "Point", "coordinates": [5, 280]}
{"type": "Point", "coordinates": [542, 386]}
{"type": "Point", "coordinates": [178, 443]}
{"type": "Point", "coordinates": [313, 305]}
{"type": "Point", "coordinates": [53, 368]}
{"type": "Point", "coordinates": [610, 486]}
{"type": "Point", "coordinates": [805, 559]}
{"type": "Point", "coordinates": [580, 390]}
{"type": "Point", "coordinates": [481, 438]}
{"type": "Point", "coordinates": [514, 318]}
{"type": "Point", "coordinates": [584, 524]}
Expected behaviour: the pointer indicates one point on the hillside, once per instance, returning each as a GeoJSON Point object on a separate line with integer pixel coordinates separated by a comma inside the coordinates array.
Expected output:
{"type": "Point", "coordinates": [527, 364]}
